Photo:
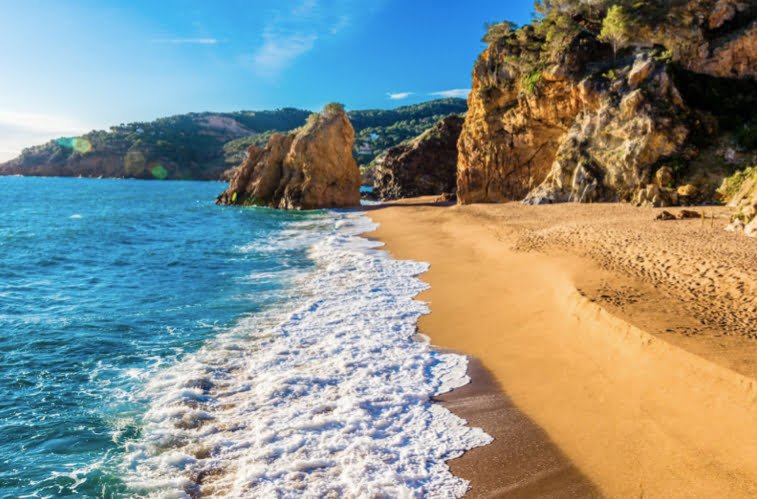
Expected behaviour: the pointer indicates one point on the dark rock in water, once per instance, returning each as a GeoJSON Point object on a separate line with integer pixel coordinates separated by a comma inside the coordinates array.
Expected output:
{"type": "Point", "coordinates": [424, 166]}
{"type": "Point", "coordinates": [307, 169]}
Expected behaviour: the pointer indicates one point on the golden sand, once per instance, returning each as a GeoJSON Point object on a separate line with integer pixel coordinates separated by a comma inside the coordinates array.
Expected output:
{"type": "Point", "coordinates": [615, 355]}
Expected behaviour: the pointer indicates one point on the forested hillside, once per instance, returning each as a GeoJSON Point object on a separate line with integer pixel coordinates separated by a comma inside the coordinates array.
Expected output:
{"type": "Point", "coordinates": [203, 145]}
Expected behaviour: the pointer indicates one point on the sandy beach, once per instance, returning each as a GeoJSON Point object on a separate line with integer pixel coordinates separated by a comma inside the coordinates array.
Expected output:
{"type": "Point", "coordinates": [613, 355]}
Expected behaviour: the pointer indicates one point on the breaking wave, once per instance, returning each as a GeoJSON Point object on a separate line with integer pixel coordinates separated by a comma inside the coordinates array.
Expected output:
{"type": "Point", "coordinates": [325, 395]}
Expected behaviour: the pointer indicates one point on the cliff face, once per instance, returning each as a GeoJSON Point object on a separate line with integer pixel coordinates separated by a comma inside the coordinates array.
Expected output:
{"type": "Point", "coordinates": [426, 165]}
{"type": "Point", "coordinates": [307, 169]}
{"type": "Point", "coordinates": [557, 115]}
{"type": "Point", "coordinates": [608, 152]}
{"type": "Point", "coordinates": [511, 131]}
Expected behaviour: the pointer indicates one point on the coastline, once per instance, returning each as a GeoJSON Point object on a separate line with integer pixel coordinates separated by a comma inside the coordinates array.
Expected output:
{"type": "Point", "coordinates": [522, 461]}
{"type": "Point", "coordinates": [618, 407]}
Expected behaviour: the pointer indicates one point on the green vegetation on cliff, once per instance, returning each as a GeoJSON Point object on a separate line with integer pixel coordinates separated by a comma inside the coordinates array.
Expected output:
{"type": "Point", "coordinates": [187, 146]}
{"type": "Point", "coordinates": [204, 145]}
{"type": "Point", "coordinates": [591, 100]}
{"type": "Point", "coordinates": [377, 130]}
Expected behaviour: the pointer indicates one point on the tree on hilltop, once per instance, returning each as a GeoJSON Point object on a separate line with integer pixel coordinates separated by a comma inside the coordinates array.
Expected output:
{"type": "Point", "coordinates": [615, 28]}
{"type": "Point", "coordinates": [495, 31]}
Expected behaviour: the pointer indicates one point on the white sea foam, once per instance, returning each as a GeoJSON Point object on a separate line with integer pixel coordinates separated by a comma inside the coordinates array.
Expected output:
{"type": "Point", "coordinates": [329, 399]}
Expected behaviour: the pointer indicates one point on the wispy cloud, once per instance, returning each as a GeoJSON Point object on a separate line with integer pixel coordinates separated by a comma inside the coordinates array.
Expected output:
{"type": "Point", "coordinates": [455, 92]}
{"type": "Point", "coordinates": [19, 130]}
{"type": "Point", "coordinates": [295, 29]}
{"type": "Point", "coordinates": [187, 41]}
{"type": "Point", "coordinates": [400, 95]}
{"type": "Point", "coordinates": [277, 51]}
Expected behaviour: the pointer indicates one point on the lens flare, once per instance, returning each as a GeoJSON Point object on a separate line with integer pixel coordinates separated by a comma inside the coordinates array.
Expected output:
{"type": "Point", "coordinates": [78, 144]}
{"type": "Point", "coordinates": [82, 145]}
{"type": "Point", "coordinates": [134, 163]}
{"type": "Point", "coordinates": [159, 171]}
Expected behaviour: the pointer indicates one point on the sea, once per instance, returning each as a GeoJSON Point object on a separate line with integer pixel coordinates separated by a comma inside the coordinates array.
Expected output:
{"type": "Point", "coordinates": [153, 344]}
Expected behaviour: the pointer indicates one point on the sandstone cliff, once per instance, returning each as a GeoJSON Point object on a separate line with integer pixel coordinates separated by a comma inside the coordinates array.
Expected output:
{"type": "Point", "coordinates": [556, 114]}
{"type": "Point", "coordinates": [307, 169]}
{"type": "Point", "coordinates": [426, 165]}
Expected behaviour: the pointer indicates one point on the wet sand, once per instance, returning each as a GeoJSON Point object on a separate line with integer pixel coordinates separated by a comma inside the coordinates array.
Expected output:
{"type": "Point", "coordinates": [621, 351]}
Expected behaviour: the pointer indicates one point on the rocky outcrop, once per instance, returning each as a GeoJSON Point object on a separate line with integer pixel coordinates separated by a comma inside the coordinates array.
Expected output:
{"type": "Point", "coordinates": [515, 122]}
{"type": "Point", "coordinates": [307, 169]}
{"type": "Point", "coordinates": [555, 115]}
{"type": "Point", "coordinates": [714, 37]}
{"type": "Point", "coordinates": [740, 191]}
{"type": "Point", "coordinates": [608, 153]}
{"type": "Point", "coordinates": [424, 166]}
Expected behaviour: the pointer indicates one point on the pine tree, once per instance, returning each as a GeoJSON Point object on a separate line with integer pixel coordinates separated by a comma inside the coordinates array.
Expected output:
{"type": "Point", "coordinates": [615, 28]}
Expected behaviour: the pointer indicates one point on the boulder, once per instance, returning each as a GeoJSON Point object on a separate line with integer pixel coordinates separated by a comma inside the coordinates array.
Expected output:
{"type": "Point", "coordinates": [665, 215]}
{"type": "Point", "coordinates": [687, 191]}
{"type": "Point", "coordinates": [309, 168]}
{"type": "Point", "coordinates": [447, 197]}
{"type": "Point", "coordinates": [684, 214]}
{"type": "Point", "coordinates": [426, 165]}
{"type": "Point", "coordinates": [654, 196]}
{"type": "Point", "coordinates": [664, 177]}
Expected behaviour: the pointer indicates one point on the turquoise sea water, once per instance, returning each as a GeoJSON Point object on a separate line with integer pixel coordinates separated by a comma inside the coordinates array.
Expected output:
{"type": "Point", "coordinates": [153, 344]}
{"type": "Point", "coordinates": [103, 282]}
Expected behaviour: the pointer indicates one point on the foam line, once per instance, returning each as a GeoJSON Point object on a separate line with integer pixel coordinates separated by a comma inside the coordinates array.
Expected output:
{"type": "Point", "coordinates": [330, 397]}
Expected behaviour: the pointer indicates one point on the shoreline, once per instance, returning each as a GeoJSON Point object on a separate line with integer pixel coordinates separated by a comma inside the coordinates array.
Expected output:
{"type": "Point", "coordinates": [614, 410]}
{"type": "Point", "coordinates": [534, 465]}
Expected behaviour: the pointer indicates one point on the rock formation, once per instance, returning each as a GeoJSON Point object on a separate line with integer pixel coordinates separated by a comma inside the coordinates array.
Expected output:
{"type": "Point", "coordinates": [309, 168]}
{"type": "Point", "coordinates": [740, 191]}
{"type": "Point", "coordinates": [608, 153]}
{"type": "Point", "coordinates": [714, 37]}
{"type": "Point", "coordinates": [426, 165]}
{"type": "Point", "coordinates": [557, 115]}
{"type": "Point", "coordinates": [512, 131]}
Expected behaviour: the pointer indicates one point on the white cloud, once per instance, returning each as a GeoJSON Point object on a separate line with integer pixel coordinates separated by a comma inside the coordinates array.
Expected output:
{"type": "Point", "coordinates": [19, 130]}
{"type": "Point", "coordinates": [277, 52]}
{"type": "Point", "coordinates": [455, 92]}
{"type": "Point", "coordinates": [293, 30]}
{"type": "Point", "coordinates": [400, 95]}
{"type": "Point", "coordinates": [187, 41]}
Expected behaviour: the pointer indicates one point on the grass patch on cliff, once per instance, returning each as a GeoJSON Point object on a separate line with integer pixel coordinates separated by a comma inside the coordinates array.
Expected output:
{"type": "Point", "coordinates": [531, 80]}
{"type": "Point", "coordinates": [732, 185]}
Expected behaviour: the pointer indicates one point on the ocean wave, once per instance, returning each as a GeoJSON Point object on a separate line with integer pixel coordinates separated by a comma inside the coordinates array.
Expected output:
{"type": "Point", "coordinates": [329, 396]}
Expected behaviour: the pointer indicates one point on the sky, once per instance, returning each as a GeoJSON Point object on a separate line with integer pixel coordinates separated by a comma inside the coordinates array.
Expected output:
{"type": "Point", "coordinates": [70, 66]}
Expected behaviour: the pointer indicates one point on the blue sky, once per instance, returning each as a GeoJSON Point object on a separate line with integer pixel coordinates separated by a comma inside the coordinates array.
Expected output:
{"type": "Point", "coordinates": [69, 66]}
